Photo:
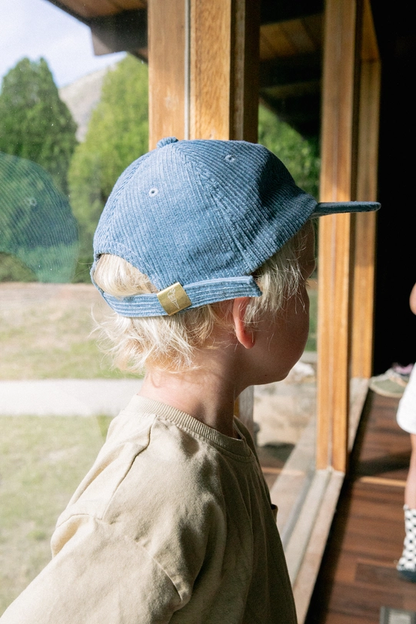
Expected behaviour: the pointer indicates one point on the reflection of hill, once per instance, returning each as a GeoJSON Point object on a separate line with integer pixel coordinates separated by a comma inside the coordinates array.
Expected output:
{"type": "Point", "coordinates": [82, 96]}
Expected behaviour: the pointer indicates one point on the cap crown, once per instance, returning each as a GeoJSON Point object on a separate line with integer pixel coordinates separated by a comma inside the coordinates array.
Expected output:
{"type": "Point", "coordinates": [192, 211]}
{"type": "Point", "coordinates": [199, 217]}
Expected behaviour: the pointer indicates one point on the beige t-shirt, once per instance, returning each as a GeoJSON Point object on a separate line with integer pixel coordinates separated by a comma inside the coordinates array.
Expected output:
{"type": "Point", "coordinates": [173, 523]}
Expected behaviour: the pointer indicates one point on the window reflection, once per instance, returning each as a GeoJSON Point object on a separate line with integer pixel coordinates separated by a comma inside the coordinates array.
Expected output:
{"type": "Point", "coordinates": [54, 182]}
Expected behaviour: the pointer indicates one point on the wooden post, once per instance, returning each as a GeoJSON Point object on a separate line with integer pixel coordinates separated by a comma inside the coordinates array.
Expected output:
{"type": "Point", "coordinates": [167, 69]}
{"type": "Point", "coordinates": [224, 64]}
{"type": "Point", "coordinates": [365, 231]}
{"type": "Point", "coordinates": [350, 120]}
{"type": "Point", "coordinates": [203, 78]}
{"type": "Point", "coordinates": [335, 234]}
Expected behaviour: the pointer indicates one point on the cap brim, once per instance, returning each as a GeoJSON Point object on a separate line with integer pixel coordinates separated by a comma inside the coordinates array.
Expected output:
{"type": "Point", "coordinates": [328, 208]}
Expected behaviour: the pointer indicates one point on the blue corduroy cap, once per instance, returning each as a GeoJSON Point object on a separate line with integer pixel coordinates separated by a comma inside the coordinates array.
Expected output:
{"type": "Point", "coordinates": [198, 218]}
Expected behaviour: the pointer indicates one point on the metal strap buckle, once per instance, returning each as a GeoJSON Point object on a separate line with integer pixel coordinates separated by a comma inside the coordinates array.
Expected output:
{"type": "Point", "coordinates": [174, 299]}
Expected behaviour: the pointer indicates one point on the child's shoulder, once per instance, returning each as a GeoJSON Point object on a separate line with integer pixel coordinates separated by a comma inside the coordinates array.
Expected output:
{"type": "Point", "coordinates": [156, 453]}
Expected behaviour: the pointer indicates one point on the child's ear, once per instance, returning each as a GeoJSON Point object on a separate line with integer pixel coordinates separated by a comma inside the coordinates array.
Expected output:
{"type": "Point", "coordinates": [244, 334]}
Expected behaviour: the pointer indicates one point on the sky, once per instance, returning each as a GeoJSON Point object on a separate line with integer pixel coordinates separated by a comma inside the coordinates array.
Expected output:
{"type": "Point", "coordinates": [36, 28]}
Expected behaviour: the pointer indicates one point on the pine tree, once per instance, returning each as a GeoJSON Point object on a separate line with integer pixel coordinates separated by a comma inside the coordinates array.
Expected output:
{"type": "Point", "coordinates": [34, 122]}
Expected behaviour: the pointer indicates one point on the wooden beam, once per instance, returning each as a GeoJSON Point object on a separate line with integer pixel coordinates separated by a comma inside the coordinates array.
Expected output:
{"type": "Point", "coordinates": [214, 91]}
{"type": "Point", "coordinates": [167, 56]}
{"type": "Point", "coordinates": [335, 235]}
{"type": "Point", "coordinates": [272, 12]}
{"type": "Point", "coordinates": [369, 50]}
{"type": "Point", "coordinates": [126, 30]}
{"type": "Point", "coordinates": [224, 69]}
{"type": "Point", "coordinates": [365, 232]}
{"type": "Point", "coordinates": [245, 64]}
{"type": "Point", "coordinates": [287, 70]}
{"type": "Point", "coordinates": [210, 69]}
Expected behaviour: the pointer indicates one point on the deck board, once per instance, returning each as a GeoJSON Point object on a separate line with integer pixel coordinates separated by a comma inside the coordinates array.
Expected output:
{"type": "Point", "coordinates": [357, 574]}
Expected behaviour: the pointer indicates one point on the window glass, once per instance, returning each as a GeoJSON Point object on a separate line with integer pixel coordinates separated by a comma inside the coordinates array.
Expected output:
{"type": "Point", "coordinates": [70, 123]}
{"type": "Point", "coordinates": [57, 390]}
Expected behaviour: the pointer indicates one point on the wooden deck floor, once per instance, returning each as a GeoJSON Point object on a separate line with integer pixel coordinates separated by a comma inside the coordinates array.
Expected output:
{"type": "Point", "coordinates": [358, 575]}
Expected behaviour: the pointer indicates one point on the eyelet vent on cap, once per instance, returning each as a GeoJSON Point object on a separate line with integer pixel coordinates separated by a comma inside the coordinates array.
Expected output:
{"type": "Point", "coordinates": [166, 141]}
{"type": "Point", "coordinates": [229, 158]}
{"type": "Point", "coordinates": [153, 191]}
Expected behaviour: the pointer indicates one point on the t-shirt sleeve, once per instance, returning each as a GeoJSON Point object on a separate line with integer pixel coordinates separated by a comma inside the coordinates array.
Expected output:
{"type": "Point", "coordinates": [99, 575]}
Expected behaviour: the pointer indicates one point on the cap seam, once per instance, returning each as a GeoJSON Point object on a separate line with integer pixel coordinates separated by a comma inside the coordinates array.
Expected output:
{"type": "Point", "coordinates": [214, 185]}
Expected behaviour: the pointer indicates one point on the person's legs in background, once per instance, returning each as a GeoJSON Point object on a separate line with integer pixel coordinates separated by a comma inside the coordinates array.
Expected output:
{"type": "Point", "coordinates": [407, 563]}
{"type": "Point", "coordinates": [406, 419]}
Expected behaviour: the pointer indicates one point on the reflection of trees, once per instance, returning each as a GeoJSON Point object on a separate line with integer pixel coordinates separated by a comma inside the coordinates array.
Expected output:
{"type": "Point", "coordinates": [117, 134]}
{"type": "Point", "coordinates": [299, 154]}
{"type": "Point", "coordinates": [36, 125]}
{"type": "Point", "coordinates": [34, 122]}
{"type": "Point", "coordinates": [36, 222]}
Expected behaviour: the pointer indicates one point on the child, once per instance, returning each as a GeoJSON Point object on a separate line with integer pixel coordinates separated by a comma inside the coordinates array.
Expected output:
{"type": "Point", "coordinates": [203, 252]}
{"type": "Point", "coordinates": [406, 419]}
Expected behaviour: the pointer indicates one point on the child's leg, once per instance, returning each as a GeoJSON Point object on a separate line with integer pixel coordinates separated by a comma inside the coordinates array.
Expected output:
{"type": "Point", "coordinates": [410, 491]}
{"type": "Point", "coordinates": [407, 562]}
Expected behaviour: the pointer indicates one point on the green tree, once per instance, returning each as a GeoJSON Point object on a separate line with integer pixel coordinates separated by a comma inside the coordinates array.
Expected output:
{"type": "Point", "coordinates": [117, 134]}
{"type": "Point", "coordinates": [34, 122]}
{"type": "Point", "coordinates": [300, 155]}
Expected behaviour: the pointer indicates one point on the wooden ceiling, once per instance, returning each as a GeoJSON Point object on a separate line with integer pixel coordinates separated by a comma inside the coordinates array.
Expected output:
{"type": "Point", "coordinates": [89, 9]}
{"type": "Point", "coordinates": [290, 49]}
{"type": "Point", "coordinates": [291, 69]}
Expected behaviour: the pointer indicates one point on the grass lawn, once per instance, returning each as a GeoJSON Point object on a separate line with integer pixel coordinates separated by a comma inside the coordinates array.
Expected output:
{"type": "Point", "coordinates": [46, 332]}
{"type": "Point", "coordinates": [42, 460]}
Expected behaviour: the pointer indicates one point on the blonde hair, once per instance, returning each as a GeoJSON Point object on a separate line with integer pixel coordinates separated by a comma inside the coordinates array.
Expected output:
{"type": "Point", "coordinates": [170, 342]}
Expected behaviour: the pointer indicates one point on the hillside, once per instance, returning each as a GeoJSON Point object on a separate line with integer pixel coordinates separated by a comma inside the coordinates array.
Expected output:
{"type": "Point", "coordinates": [82, 96]}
